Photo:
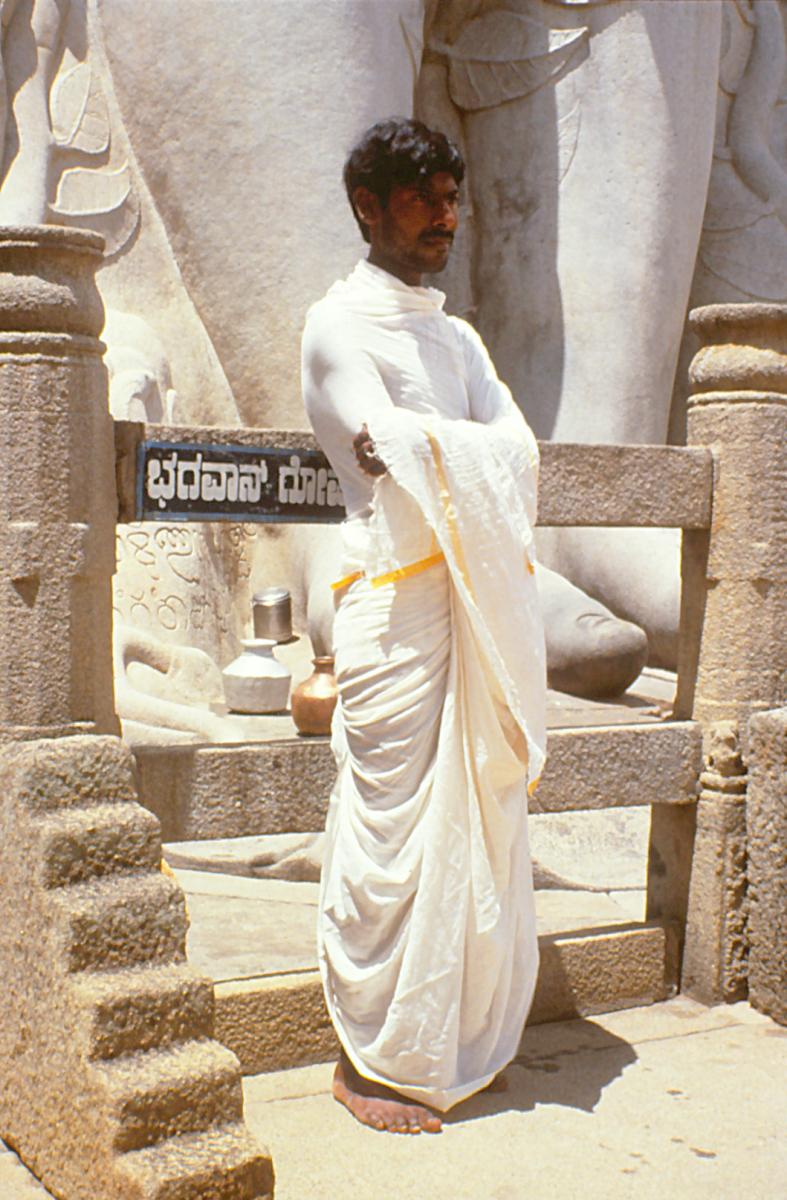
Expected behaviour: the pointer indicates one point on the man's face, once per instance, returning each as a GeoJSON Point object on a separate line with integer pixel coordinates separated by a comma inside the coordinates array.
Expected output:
{"type": "Point", "coordinates": [413, 234]}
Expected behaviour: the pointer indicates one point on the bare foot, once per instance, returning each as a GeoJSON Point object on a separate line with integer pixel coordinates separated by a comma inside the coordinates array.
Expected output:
{"type": "Point", "coordinates": [378, 1106]}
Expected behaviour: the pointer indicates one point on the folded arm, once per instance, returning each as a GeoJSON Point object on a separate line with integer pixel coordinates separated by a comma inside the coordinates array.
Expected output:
{"type": "Point", "coordinates": [342, 390]}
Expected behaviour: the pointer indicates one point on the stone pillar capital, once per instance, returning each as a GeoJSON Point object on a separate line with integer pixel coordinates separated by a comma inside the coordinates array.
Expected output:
{"type": "Point", "coordinates": [742, 356]}
{"type": "Point", "coordinates": [48, 280]}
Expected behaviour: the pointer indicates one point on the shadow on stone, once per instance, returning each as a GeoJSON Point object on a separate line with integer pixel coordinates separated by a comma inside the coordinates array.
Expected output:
{"type": "Point", "coordinates": [568, 1064]}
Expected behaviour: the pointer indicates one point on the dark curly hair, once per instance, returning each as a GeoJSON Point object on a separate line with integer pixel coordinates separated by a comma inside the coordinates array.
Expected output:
{"type": "Point", "coordinates": [397, 152]}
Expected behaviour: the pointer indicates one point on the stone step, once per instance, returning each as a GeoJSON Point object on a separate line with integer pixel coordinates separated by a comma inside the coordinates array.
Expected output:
{"type": "Point", "coordinates": [277, 1022]}
{"type": "Point", "coordinates": [96, 770]}
{"type": "Point", "coordinates": [145, 1007]}
{"type": "Point", "coordinates": [86, 843]}
{"type": "Point", "coordinates": [223, 1163]}
{"type": "Point", "coordinates": [121, 921]}
{"type": "Point", "coordinates": [160, 1094]}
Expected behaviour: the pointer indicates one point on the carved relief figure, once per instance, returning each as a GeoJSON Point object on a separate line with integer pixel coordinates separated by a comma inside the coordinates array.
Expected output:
{"type": "Point", "coordinates": [32, 42]}
{"type": "Point", "coordinates": [743, 250]}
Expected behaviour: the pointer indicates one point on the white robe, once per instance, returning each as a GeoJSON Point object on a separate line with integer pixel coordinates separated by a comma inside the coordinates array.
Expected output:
{"type": "Point", "coordinates": [426, 934]}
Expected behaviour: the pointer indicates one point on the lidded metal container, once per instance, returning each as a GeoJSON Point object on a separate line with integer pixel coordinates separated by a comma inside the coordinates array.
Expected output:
{"type": "Point", "coordinates": [272, 608]}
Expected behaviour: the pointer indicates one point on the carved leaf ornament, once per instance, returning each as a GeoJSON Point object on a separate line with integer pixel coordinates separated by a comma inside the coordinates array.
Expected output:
{"type": "Point", "coordinates": [92, 197]}
{"type": "Point", "coordinates": [79, 111]}
{"type": "Point", "coordinates": [505, 56]}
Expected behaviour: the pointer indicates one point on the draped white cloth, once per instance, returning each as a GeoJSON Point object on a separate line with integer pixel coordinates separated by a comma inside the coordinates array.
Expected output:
{"type": "Point", "coordinates": [426, 933]}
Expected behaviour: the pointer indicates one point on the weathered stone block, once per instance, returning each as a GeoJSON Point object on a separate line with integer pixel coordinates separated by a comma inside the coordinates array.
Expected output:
{"type": "Point", "coordinates": [283, 787]}
{"type": "Point", "coordinates": [233, 791]}
{"type": "Point", "coordinates": [585, 973]}
{"type": "Point", "coordinates": [220, 1164]}
{"type": "Point", "coordinates": [166, 1092]}
{"type": "Point", "coordinates": [95, 770]}
{"type": "Point", "coordinates": [120, 922]}
{"type": "Point", "coordinates": [276, 1023]}
{"type": "Point", "coordinates": [766, 822]}
{"type": "Point", "coordinates": [82, 844]}
{"type": "Point", "coordinates": [144, 1008]}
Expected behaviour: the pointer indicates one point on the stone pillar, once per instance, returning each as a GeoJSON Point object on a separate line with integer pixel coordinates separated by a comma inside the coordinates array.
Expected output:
{"type": "Point", "coordinates": [766, 823]}
{"type": "Point", "coordinates": [58, 502]}
{"type": "Point", "coordinates": [738, 408]}
{"type": "Point", "coordinates": [714, 958]}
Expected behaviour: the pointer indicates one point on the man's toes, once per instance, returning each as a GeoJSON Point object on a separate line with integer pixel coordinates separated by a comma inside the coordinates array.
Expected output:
{"type": "Point", "coordinates": [429, 1121]}
{"type": "Point", "coordinates": [412, 1119]}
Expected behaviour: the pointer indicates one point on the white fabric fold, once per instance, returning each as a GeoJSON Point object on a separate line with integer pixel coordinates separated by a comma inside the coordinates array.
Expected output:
{"type": "Point", "coordinates": [476, 486]}
{"type": "Point", "coordinates": [378, 296]}
{"type": "Point", "coordinates": [427, 934]}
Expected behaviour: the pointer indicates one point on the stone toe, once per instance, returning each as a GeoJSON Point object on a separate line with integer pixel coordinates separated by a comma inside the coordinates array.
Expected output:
{"type": "Point", "coordinates": [595, 655]}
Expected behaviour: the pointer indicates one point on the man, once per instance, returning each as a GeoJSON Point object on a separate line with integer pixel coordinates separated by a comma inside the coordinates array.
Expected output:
{"type": "Point", "coordinates": [426, 933]}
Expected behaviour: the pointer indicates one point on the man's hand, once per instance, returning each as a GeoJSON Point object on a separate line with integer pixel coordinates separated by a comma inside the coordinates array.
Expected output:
{"type": "Point", "coordinates": [368, 461]}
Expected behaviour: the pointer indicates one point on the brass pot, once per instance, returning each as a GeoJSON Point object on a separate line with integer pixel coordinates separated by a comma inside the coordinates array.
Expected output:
{"type": "Point", "coordinates": [313, 701]}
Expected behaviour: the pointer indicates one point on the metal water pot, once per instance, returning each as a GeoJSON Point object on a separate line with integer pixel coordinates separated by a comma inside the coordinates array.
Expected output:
{"type": "Point", "coordinates": [272, 608]}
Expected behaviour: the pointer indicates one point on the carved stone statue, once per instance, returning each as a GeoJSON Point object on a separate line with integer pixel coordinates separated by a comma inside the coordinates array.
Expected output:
{"type": "Point", "coordinates": [32, 33]}
{"type": "Point", "coordinates": [600, 204]}
{"type": "Point", "coordinates": [589, 133]}
{"type": "Point", "coordinates": [67, 161]}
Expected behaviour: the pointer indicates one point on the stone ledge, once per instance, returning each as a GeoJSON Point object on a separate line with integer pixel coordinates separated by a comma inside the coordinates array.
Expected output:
{"type": "Point", "coordinates": [280, 1022]}
{"type": "Point", "coordinates": [211, 792]}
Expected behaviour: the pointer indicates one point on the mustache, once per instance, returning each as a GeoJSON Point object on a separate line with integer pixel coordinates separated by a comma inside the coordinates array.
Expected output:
{"type": "Point", "coordinates": [429, 235]}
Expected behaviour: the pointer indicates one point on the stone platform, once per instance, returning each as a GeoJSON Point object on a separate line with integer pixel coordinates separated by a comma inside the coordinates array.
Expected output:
{"type": "Point", "coordinates": [673, 1099]}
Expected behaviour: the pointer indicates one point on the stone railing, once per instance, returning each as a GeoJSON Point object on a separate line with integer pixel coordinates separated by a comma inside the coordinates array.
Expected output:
{"type": "Point", "coordinates": [727, 491]}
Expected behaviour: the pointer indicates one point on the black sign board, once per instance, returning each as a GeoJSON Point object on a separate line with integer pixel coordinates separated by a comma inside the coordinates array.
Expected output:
{"type": "Point", "coordinates": [193, 481]}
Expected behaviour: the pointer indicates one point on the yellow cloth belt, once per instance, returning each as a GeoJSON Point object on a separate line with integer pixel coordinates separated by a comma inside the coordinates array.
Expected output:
{"type": "Point", "coordinates": [415, 568]}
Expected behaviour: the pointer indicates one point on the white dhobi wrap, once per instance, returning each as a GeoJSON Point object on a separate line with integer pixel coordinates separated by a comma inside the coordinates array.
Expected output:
{"type": "Point", "coordinates": [427, 933]}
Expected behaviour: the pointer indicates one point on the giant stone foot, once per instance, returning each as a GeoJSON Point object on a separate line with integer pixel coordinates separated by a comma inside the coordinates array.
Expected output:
{"type": "Point", "coordinates": [590, 651]}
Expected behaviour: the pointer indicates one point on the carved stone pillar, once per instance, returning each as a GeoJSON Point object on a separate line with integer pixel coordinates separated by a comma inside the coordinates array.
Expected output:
{"type": "Point", "coordinates": [57, 490]}
{"type": "Point", "coordinates": [738, 407]}
{"type": "Point", "coordinates": [734, 625]}
{"type": "Point", "coordinates": [715, 954]}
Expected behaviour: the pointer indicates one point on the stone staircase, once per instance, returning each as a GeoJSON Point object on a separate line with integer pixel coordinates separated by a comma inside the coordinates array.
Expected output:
{"type": "Point", "coordinates": [103, 1018]}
